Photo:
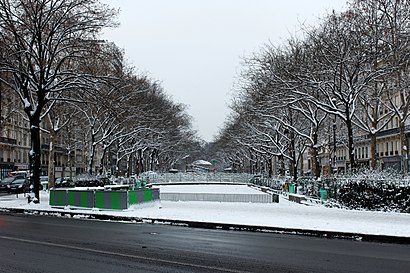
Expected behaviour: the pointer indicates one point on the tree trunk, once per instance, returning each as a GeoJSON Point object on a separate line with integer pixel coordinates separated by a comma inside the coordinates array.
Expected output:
{"type": "Point", "coordinates": [140, 161]}
{"type": "Point", "coordinates": [292, 152]}
{"type": "Point", "coordinates": [92, 155]}
{"type": "Point", "coordinates": [281, 165]}
{"type": "Point", "coordinates": [51, 161]}
{"type": "Point", "coordinates": [70, 162]}
{"type": "Point", "coordinates": [313, 157]}
{"type": "Point", "coordinates": [128, 165]}
{"type": "Point", "coordinates": [152, 156]}
{"type": "Point", "coordinates": [102, 161]}
{"type": "Point", "coordinates": [373, 155]}
{"type": "Point", "coordinates": [404, 147]}
{"type": "Point", "coordinates": [352, 160]}
{"type": "Point", "coordinates": [35, 155]}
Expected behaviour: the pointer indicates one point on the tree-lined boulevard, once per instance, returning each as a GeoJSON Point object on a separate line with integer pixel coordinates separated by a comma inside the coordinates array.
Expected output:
{"type": "Point", "coordinates": [327, 99]}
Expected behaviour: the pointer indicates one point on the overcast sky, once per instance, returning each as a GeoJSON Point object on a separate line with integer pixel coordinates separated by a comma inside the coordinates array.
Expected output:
{"type": "Point", "coordinates": [195, 47]}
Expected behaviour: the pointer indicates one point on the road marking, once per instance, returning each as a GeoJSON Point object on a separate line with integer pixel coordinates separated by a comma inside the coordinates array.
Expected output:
{"type": "Point", "coordinates": [212, 268]}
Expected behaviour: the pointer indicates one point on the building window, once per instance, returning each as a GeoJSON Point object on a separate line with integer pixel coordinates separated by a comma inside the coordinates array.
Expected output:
{"type": "Point", "coordinates": [386, 152]}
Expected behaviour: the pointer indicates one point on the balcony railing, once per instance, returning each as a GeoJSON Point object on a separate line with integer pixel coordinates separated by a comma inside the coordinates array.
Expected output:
{"type": "Point", "coordinates": [8, 140]}
{"type": "Point", "coordinates": [57, 148]}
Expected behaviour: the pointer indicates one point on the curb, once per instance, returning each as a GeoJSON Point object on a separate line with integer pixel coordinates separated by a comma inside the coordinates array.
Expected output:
{"type": "Point", "coordinates": [222, 226]}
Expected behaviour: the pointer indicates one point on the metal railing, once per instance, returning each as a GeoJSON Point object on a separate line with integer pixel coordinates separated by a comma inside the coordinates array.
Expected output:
{"type": "Point", "coordinates": [196, 177]}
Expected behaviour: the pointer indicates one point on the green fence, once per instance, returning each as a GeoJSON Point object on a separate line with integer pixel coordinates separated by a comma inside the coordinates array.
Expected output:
{"type": "Point", "coordinates": [83, 199]}
{"type": "Point", "coordinates": [142, 196]}
{"type": "Point", "coordinates": [112, 200]}
{"type": "Point", "coordinates": [116, 200]}
{"type": "Point", "coordinates": [58, 198]}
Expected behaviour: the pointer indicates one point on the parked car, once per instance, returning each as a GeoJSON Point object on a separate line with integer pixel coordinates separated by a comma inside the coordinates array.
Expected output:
{"type": "Point", "coordinates": [88, 182]}
{"type": "Point", "coordinates": [64, 182]}
{"type": "Point", "coordinates": [5, 182]}
{"type": "Point", "coordinates": [103, 181]}
{"type": "Point", "coordinates": [19, 185]}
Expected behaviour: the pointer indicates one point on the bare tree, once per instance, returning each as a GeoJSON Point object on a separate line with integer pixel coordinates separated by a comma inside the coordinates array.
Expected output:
{"type": "Point", "coordinates": [395, 28]}
{"type": "Point", "coordinates": [43, 41]}
{"type": "Point", "coordinates": [57, 119]}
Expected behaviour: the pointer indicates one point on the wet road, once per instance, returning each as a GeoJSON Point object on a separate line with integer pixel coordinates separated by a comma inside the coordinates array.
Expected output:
{"type": "Point", "coordinates": [51, 244]}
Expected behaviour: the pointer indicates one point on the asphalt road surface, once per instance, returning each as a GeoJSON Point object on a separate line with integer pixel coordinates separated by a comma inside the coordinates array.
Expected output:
{"type": "Point", "coordinates": [52, 244]}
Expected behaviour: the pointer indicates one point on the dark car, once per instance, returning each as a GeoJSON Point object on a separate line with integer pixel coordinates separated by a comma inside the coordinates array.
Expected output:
{"type": "Point", "coordinates": [64, 182]}
{"type": "Point", "coordinates": [19, 185]}
{"type": "Point", "coordinates": [88, 182]}
{"type": "Point", "coordinates": [6, 181]}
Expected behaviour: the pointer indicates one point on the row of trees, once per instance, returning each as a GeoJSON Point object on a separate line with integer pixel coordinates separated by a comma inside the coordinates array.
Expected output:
{"type": "Point", "coordinates": [350, 71]}
{"type": "Point", "coordinates": [78, 87]}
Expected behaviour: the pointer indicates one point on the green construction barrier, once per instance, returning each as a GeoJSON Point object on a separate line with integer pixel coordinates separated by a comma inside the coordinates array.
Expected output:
{"type": "Point", "coordinates": [83, 199]}
{"type": "Point", "coordinates": [142, 196]}
{"type": "Point", "coordinates": [323, 194]}
{"type": "Point", "coordinates": [115, 200]}
{"type": "Point", "coordinates": [58, 198]}
{"type": "Point", "coordinates": [135, 197]}
{"type": "Point", "coordinates": [155, 194]}
{"type": "Point", "coordinates": [147, 195]}
{"type": "Point", "coordinates": [132, 197]}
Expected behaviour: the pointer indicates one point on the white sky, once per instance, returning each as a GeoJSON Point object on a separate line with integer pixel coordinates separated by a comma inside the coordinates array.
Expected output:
{"type": "Point", "coordinates": [195, 47]}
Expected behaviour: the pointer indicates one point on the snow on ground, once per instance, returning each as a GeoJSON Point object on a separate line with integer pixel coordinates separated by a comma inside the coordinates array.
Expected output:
{"type": "Point", "coordinates": [284, 214]}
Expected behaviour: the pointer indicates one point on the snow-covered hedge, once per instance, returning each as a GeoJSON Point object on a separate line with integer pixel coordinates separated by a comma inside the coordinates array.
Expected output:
{"type": "Point", "coordinates": [366, 189]}
{"type": "Point", "coordinates": [374, 195]}
{"type": "Point", "coordinates": [374, 190]}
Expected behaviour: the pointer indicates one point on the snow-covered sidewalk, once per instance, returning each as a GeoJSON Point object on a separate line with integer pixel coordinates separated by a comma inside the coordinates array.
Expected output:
{"type": "Point", "coordinates": [284, 214]}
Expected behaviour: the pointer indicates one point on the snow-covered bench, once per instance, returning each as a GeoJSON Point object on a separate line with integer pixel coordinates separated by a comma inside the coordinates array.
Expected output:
{"type": "Point", "coordinates": [296, 198]}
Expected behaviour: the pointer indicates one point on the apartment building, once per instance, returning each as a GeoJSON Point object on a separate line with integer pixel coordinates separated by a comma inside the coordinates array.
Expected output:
{"type": "Point", "coordinates": [15, 146]}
